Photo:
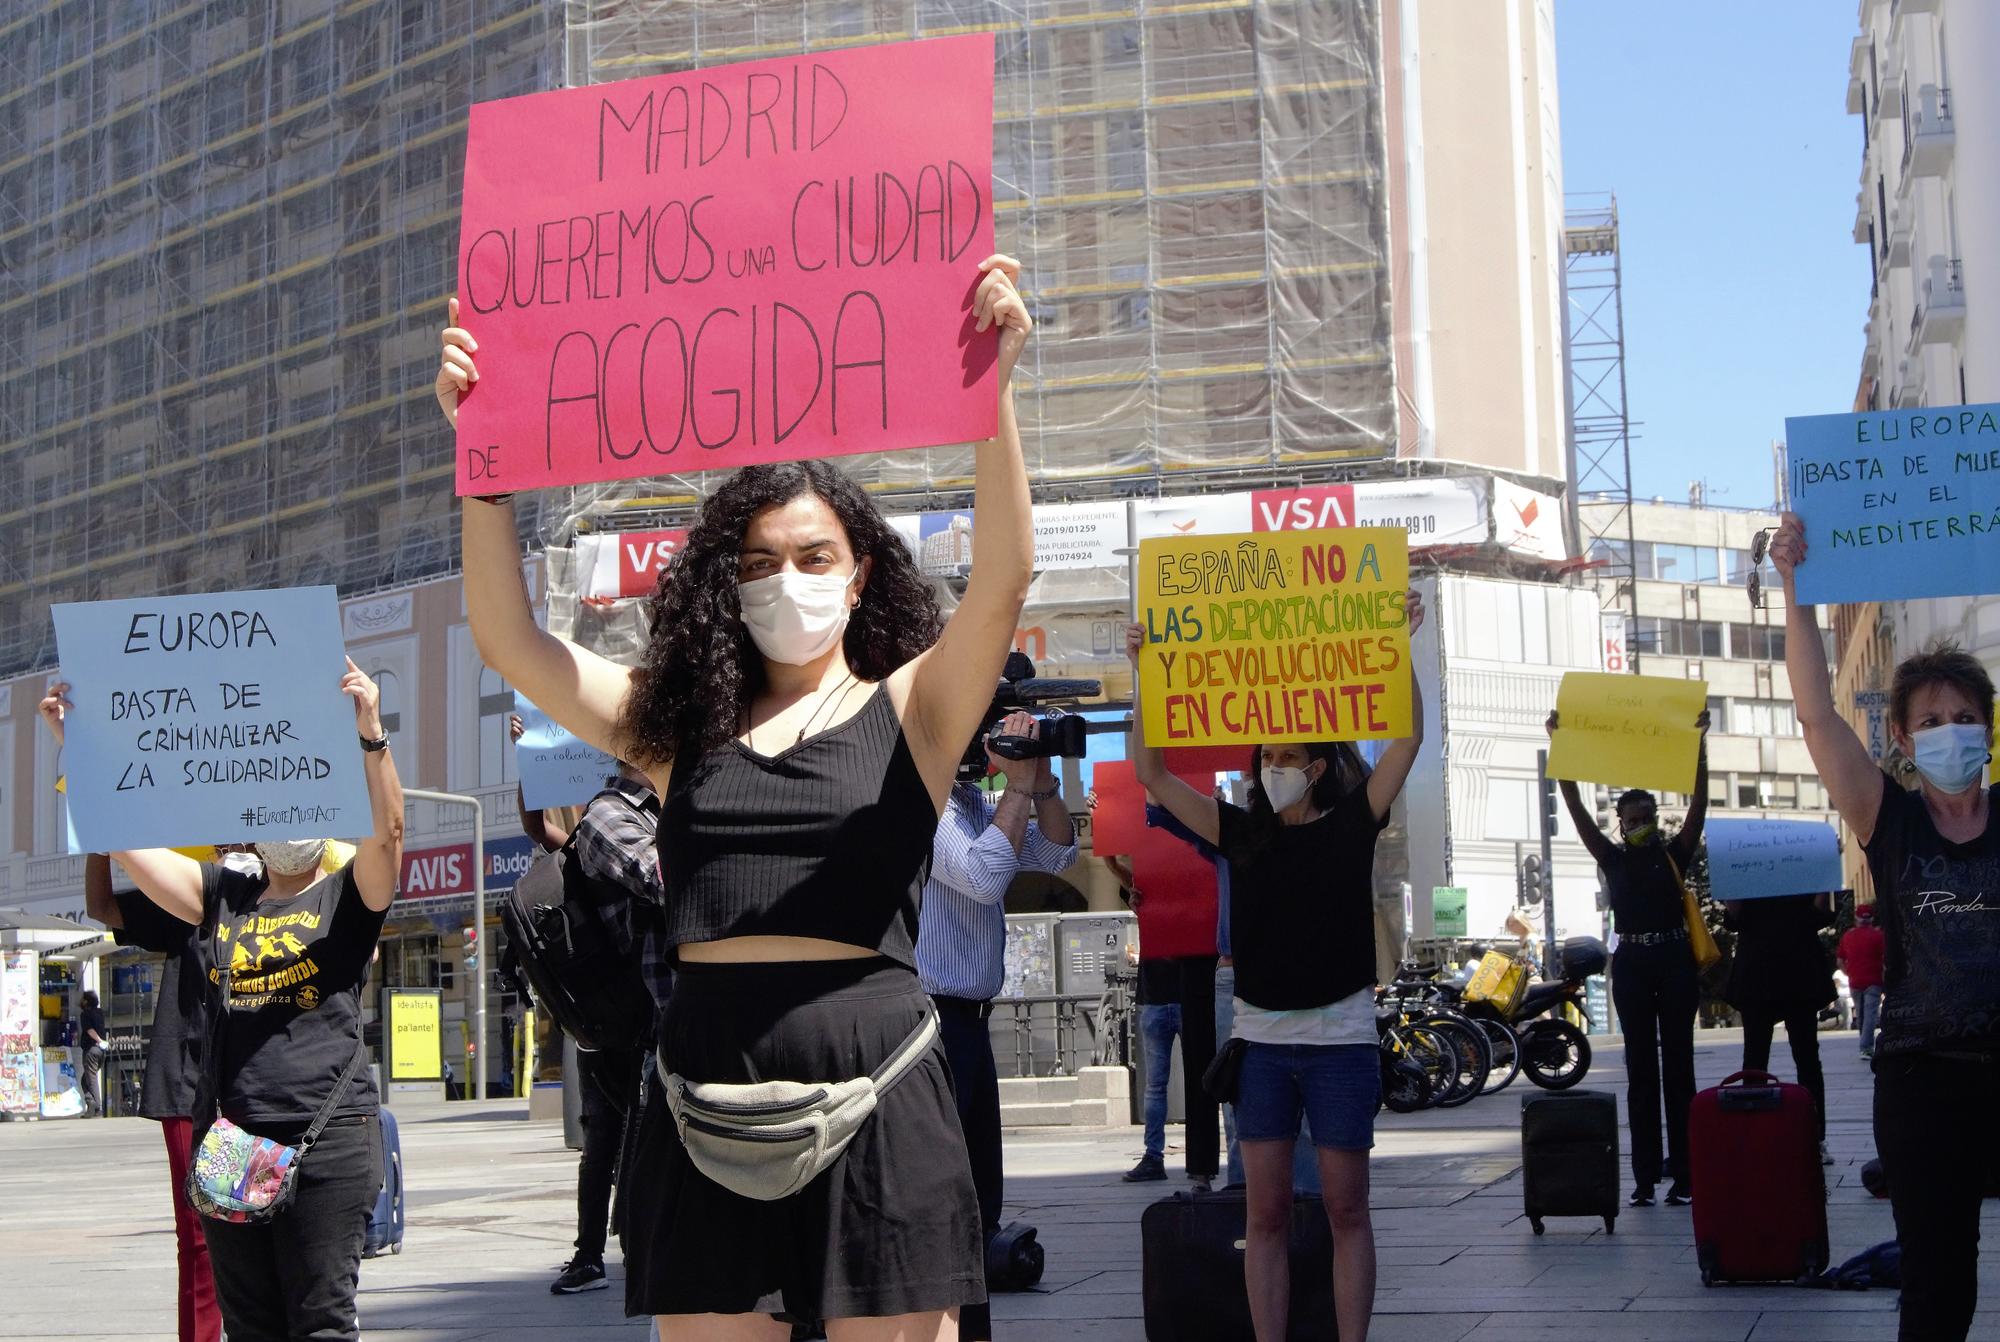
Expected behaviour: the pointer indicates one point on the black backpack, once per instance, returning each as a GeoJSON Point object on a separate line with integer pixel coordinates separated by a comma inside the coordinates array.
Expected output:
{"type": "Point", "coordinates": [571, 962]}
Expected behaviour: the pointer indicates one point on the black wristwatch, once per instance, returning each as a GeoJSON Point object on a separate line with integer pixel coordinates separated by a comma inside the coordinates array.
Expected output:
{"type": "Point", "coordinates": [379, 743]}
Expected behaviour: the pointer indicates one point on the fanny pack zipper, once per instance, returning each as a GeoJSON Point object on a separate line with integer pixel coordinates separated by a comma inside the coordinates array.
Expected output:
{"type": "Point", "coordinates": [751, 1111]}
{"type": "Point", "coordinates": [752, 1134]}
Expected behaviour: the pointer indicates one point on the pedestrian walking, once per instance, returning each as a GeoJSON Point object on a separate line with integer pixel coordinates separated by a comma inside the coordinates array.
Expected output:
{"type": "Point", "coordinates": [1302, 929]}
{"type": "Point", "coordinates": [617, 850]}
{"type": "Point", "coordinates": [1654, 980]}
{"type": "Point", "coordinates": [983, 841]}
{"type": "Point", "coordinates": [1860, 956]}
{"type": "Point", "coordinates": [282, 1051]}
{"type": "Point", "coordinates": [1934, 854]}
{"type": "Point", "coordinates": [93, 1040]}
{"type": "Point", "coordinates": [803, 717]}
{"type": "Point", "coordinates": [1779, 974]}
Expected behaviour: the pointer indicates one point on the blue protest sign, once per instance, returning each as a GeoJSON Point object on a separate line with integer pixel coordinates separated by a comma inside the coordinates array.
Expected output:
{"type": "Point", "coordinates": [1897, 503]}
{"type": "Point", "coordinates": [557, 769]}
{"type": "Point", "coordinates": [209, 719]}
{"type": "Point", "coordinates": [1756, 859]}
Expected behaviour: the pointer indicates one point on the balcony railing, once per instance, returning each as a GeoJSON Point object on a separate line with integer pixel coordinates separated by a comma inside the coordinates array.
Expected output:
{"type": "Point", "coordinates": [1928, 133]}
{"type": "Point", "coordinates": [1940, 312]}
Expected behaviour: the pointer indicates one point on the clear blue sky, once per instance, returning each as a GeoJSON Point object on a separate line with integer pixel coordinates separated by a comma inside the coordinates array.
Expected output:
{"type": "Point", "coordinates": [1722, 127]}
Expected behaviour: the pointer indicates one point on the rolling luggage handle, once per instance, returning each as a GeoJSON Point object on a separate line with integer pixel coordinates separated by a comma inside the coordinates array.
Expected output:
{"type": "Point", "coordinates": [1758, 1094]}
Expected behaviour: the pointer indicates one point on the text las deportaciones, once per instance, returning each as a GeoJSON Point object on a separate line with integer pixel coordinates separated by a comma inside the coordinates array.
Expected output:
{"type": "Point", "coordinates": [1292, 636]}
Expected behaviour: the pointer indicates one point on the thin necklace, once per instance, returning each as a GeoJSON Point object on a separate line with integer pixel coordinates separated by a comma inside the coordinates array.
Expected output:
{"type": "Point", "coordinates": [826, 698]}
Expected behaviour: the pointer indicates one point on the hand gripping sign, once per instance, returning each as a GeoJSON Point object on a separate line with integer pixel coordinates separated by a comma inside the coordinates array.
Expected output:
{"type": "Point", "coordinates": [747, 263]}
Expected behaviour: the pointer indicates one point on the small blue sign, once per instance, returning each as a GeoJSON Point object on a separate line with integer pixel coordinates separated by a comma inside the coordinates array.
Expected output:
{"type": "Point", "coordinates": [557, 769]}
{"type": "Point", "coordinates": [1758, 859]}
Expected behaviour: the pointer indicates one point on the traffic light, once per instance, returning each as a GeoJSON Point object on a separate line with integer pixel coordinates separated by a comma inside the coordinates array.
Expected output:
{"type": "Point", "coordinates": [1549, 811]}
{"type": "Point", "coordinates": [1606, 817]}
{"type": "Point", "coordinates": [1533, 886]}
{"type": "Point", "coordinates": [471, 948]}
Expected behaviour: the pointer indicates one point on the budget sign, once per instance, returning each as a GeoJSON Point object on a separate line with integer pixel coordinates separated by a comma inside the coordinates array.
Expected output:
{"type": "Point", "coordinates": [1275, 636]}
{"type": "Point", "coordinates": [1897, 503]}
{"type": "Point", "coordinates": [217, 717]}
{"type": "Point", "coordinates": [756, 262]}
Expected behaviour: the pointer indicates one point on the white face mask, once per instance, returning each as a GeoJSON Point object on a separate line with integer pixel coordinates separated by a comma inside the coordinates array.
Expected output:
{"type": "Point", "coordinates": [291, 857]}
{"type": "Point", "coordinates": [1284, 788]}
{"type": "Point", "coordinates": [795, 617]}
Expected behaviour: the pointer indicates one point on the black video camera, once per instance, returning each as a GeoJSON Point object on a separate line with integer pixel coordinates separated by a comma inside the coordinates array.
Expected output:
{"type": "Point", "coordinates": [1021, 690]}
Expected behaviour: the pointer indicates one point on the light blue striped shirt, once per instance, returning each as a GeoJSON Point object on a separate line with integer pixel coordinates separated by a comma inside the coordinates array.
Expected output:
{"type": "Point", "coordinates": [962, 926]}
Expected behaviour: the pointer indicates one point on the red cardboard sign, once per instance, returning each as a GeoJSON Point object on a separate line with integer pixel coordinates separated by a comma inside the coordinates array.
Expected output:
{"type": "Point", "coordinates": [758, 262]}
{"type": "Point", "coordinates": [1119, 822]}
{"type": "Point", "coordinates": [1178, 908]}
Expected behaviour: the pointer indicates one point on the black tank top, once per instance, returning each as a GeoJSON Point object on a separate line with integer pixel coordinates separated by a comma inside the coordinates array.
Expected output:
{"type": "Point", "coordinates": [830, 838]}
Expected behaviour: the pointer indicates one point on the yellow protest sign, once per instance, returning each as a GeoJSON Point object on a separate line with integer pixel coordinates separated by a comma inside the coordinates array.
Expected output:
{"type": "Point", "coordinates": [1628, 731]}
{"type": "Point", "coordinates": [1275, 636]}
{"type": "Point", "coordinates": [416, 1037]}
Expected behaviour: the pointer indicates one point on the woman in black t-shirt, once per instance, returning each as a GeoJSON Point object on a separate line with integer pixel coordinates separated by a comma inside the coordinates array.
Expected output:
{"type": "Point", "coordinates": [1654, 981]}
{"type": "Point", "coordinates": [296, 945]}
{"type": "Point", "coordinates": [1934, 855]}
{"type": "Point", "coordinates": [1302, 933]}
{"type": "Point", "coordinates": [802, 718]}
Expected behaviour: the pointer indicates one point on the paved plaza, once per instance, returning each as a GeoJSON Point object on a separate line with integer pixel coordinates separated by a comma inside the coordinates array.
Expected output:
{"type": "Point", "coordinates": [87, 1239]}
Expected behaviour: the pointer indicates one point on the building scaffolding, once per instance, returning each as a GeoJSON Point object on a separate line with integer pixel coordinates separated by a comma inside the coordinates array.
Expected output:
{"type": "Point", "coordinates": [226, 233]}
{"type": "Point", "coordinates": [1600, 429]}
{"type": "Point", "coordinates": [1197, 193]}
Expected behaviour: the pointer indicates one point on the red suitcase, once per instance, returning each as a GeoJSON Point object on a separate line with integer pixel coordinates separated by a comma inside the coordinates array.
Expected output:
{"type": "Point", "coordinates": [1759, 1191]}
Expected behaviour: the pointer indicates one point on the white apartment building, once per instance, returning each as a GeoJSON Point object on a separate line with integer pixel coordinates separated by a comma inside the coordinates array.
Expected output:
{"type": "Point", "coordinates": [1693, 618]}
{"type": "Point", "coordinates": [1922, 78]}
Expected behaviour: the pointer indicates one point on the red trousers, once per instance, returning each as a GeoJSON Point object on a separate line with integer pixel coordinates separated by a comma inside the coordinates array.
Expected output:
{"type": "Point", "coordinates": [201, 1318]}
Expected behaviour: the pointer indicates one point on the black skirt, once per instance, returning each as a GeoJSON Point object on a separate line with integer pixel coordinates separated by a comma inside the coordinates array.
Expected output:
{"type": "Point", "coordinates": [892, 1227]}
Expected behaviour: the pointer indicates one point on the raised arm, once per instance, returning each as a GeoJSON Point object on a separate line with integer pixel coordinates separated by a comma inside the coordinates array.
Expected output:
{"type": "Point", "coordinates": [1852, 780]}
{"type": "Point", "coordinates": [1184, 801]}
{"type": "Point", "coordinates": [99, 902]}
{"type": "Point", "coordinates": [1688, 841]}
{"type": "Point", "coordinates": [378, 858]}
{"type": "Point", "coordinates": [943, 693]}
{"type": "Point", "coordinates": [167, 878]}
{"type": "Point", "coordinates": [579, 689]}
{"type": "Point", "coordinates": [1392, 770]}
{"type": "Point", "coordinates": [1601, 848]}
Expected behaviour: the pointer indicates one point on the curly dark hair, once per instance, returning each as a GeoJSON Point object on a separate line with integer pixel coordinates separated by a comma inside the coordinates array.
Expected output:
{"type": "Point", "coordinates": [701, 671]}
{"type": "Point", "coordinates": [1345, 770]}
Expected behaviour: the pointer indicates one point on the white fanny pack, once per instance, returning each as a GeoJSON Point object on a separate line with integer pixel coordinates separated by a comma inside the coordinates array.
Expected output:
{"type": "Point", "coordinates": [769, 1139]}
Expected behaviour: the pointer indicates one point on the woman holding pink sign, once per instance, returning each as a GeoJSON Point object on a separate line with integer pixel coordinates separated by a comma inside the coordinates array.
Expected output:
{"type": "Point", "coordinates": [802, 710]}
{"type": "Point", "coordinates": [1934, 853]}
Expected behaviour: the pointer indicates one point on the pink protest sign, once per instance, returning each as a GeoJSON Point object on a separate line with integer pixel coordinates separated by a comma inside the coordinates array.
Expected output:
{"type": "Point", "coordinates": [758, 262]}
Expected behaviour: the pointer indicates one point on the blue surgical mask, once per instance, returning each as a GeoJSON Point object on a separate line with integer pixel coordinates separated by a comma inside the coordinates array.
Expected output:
{"type": "Point", "coordinates": [1953, 757]}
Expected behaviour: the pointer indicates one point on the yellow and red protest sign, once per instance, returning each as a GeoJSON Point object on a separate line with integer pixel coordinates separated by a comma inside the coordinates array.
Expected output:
{"type": "Point", "coordinates": [1628, 731]}
{"type": "Point", "coordinates": [1275, 636]}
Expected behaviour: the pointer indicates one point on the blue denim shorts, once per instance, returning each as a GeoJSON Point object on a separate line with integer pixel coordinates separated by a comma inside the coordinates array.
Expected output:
{"type": "Point", "coordinates": [1336, 1087]}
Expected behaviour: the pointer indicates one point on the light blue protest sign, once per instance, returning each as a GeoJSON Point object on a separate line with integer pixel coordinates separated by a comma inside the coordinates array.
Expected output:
{"type": "Point", "coordinates": [557, 769]}
{"type": "Point", "coordinates": [1757, 859]}
{"type": "Point", "coordinates": [1897, 503]}
{"type": "Point", "coordinates": [209, 719]}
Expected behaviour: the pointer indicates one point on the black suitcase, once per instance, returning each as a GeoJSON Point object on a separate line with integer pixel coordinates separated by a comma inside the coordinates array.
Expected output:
{"type": "Point", "coordinates": [1569, 1156]}
{"type": "Point", "coordinates": [1193, 1270]}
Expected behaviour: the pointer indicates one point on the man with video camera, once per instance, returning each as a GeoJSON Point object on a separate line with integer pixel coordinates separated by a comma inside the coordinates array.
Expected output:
{"type": "Point", "coordinates": [983, 840]}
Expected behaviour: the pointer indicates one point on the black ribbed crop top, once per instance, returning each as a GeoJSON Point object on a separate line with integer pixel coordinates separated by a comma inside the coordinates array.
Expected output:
{"type": "Point", "coordinates": [830, 838]}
